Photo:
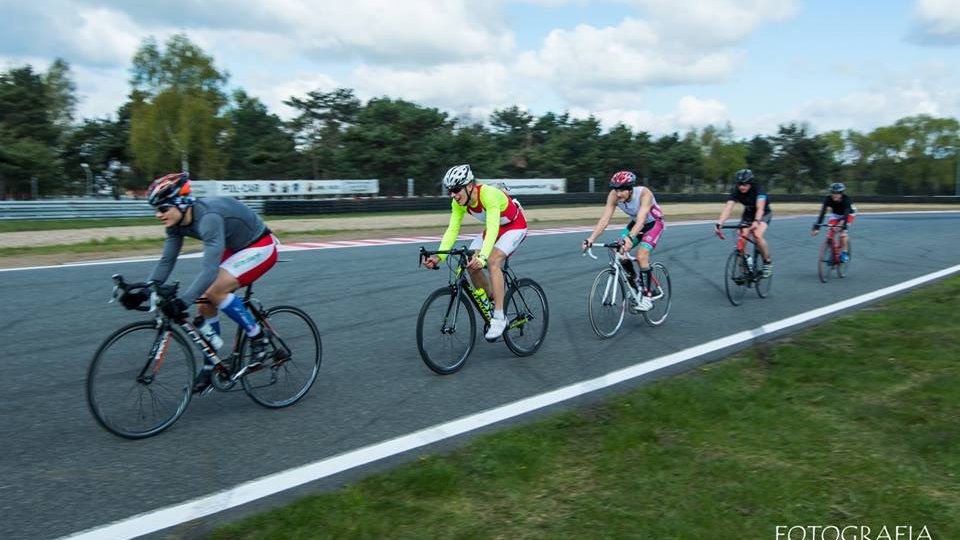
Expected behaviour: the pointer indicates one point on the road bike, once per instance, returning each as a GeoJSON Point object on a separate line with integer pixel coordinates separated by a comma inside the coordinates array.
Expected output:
{"type": "Point", "coordinates": [614, 288]}
{"type": "Point", "coordinates": [828, 260]}
{"type": "Point", "coordinates": [744, 271]}
{"type": "Point", "coordinates": [447, 326]}
{"type": "Point", "coordinates": [141, 379]}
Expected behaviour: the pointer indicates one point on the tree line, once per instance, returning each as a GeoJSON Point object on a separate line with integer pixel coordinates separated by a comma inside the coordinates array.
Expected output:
{"type": "Point", "coordinates": [179, 115]}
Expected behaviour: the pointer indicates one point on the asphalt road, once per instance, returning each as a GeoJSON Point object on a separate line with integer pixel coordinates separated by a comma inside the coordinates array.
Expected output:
{"type": "Point", "coordinates": [61, 473]}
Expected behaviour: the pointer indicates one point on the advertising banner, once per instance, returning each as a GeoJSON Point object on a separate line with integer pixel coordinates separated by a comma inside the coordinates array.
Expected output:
{"type": "Point", "coordinates": [530, 186]}
{"type": "Point", "coordinates": [284, 188]}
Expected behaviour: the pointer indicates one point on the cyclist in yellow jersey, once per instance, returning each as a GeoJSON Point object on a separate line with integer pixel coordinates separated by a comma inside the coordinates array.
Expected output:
{"type": "Point", "coordinates": [505, 230]}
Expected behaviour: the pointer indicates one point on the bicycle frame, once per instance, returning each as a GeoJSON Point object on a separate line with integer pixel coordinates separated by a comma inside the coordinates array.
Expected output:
{"type": "Point", "coordinates": [616, 263]}
{"type": "Point", "coordinates": [752, 271]}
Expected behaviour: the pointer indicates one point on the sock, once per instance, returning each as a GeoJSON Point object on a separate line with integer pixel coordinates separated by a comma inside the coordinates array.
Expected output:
{"type": "Point", "coordinates": [645, 279]}
{"type": "Point", "coordinates": [233, 307]}
{"type": "Point", "coordinates": [498, 314]}
{"type": "Point", "coordinates": [214, 322]}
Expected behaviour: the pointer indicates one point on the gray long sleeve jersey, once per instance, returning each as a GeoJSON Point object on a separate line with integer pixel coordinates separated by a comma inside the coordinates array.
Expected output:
{"type": "Point", "coordinates": [220, 223]}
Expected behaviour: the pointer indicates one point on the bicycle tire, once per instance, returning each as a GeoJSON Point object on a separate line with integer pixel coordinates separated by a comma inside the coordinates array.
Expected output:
{"type": "Point", "coordinates": [168, 397]}
{"type": "Point", "coordinates": [447, 357]}
{"type": "Point", "coordinates": [761, 284]}
{"type": "Point", "coordinates": [735, 278]}
{"type": "Point", "coordinates": [606, 303]}
{"type": "Point", "coordinates": [661, 306]}
{"type": "Point", "coordinates": [825, 260]}
{"type": "Point", "coordinates": [526, 328]}
{"type": "Point", "coordinates": [289, 376]}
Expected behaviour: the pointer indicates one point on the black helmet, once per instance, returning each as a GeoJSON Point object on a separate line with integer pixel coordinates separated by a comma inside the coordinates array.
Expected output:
{"type": "Point", "coordinates": [837, 187]}
{"type": "Point", "coordinates": [744, 176]}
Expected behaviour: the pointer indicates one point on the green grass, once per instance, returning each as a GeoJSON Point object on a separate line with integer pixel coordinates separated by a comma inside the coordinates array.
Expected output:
{"type": "Point", "coordinates": [851, 423]}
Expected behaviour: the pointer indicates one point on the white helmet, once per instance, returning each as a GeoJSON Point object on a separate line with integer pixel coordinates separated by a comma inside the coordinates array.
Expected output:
{"type": "Point", "coordinates": [458, 175]}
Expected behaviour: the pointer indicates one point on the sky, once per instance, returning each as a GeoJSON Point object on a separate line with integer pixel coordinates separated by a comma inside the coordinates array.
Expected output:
{"type": "Point", "coordinates": [659, 66]}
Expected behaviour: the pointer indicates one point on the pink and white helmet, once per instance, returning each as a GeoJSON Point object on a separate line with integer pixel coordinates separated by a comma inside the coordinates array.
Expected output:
{"type": "Point", "coordinates": [623, 180]}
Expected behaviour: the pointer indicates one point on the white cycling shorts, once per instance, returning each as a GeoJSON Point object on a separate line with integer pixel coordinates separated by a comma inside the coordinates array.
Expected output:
{"type": "Point", "coordinates": [508, 242]}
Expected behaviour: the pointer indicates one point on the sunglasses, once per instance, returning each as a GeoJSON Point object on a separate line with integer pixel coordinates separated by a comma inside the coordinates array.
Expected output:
{"type": "Point", "coordinates": [455, 190]}
{"type": "Point", "coordinates": [164, 207]}
{"type": "Point", "coordinates": [623, 188]}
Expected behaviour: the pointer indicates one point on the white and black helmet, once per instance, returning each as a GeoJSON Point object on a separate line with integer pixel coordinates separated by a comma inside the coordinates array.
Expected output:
{"type": "Point", "coordinates": [458, 175]}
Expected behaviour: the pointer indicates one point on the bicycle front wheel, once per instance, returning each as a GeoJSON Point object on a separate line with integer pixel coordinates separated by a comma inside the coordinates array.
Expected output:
{"type": "Point", "coordinates": [825, 261]}
{"type": "Point", "coordinates": [662, 296]}
{"type": "Point", "coordinates": [528, 316]}
{"type": "Point", "coordinates": [140, 380]}
{"type": "Point", "coordinates": [446, 331]}
{"type": "Point", "coordinates": [295, 362]}
{"type": "Point", "coordinates": [735, 278]}
{"type": "Point", "coordinates": [607, 304]}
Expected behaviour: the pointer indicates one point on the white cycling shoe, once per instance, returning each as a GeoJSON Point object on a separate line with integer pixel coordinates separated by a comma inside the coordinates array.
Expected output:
{"type": "Point", "coordinates": [644, 304]}
{"type": "Point", "coordinates": [496, 329]}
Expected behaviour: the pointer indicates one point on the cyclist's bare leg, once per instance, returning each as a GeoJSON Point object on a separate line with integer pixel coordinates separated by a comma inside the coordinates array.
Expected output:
{"type": "Point", "coordinates": [761, 241]}
{"type": "Point", "coordinates": [222, 286]}
{"type": "Point", "coordinates": [495, 264]}
{"type": "Point", "coordinates": [844, 241]}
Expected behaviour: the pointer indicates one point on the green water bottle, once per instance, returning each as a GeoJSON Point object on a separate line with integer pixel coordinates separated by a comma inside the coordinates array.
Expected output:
{"type": "Point", "coordinates": [482, 299]}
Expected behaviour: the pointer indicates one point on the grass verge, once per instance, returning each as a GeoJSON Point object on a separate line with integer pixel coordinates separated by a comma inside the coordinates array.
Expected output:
{"type": "Point", "coordinates": [853, 422]}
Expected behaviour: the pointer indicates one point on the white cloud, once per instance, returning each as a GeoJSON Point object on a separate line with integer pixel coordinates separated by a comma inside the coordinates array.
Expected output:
{"type": "Point", "coordinates": [937, 22]}
{"type": "Point", "coordinates": [453, 87]}
{"type": "Point", "coordinates": [706, 23]}
{"type": "Point", "coordinates": [273, 93]}
{"type": "Point", "coordinates": [690, 113]}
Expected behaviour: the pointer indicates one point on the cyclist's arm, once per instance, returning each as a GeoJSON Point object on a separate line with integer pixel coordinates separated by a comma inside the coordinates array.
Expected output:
{"type": "Point", "coordinates": [453, 228]}
{"type": "Point", "coordinates": [493, 199]}
{"type": "Point", "coordinates": [214, 243]}
{"type": "Point", "coordinates": [604, 220]}
{"type": "Point", "coordinates": [725, 213]}
{"type": "Point", "coordinates": [171, 249]}
{"type": "Point", "coordinates": [823, 211]}
{"type": "Point", "coordinates": [761, 206]}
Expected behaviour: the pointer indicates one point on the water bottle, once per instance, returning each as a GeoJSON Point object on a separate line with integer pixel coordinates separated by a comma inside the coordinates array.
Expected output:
{"type": "Point", "coordinates": [209, 333]}
{"type": "Point", "coordinates": [750, 263]}
{"type": "Point", "coordinates": [482, 299]}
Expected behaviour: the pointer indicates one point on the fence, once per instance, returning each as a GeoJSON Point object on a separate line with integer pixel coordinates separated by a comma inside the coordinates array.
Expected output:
{"type": "Point", "coordinates": [106, 209]}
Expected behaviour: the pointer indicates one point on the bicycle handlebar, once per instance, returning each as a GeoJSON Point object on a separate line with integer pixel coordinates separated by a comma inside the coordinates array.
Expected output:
{"type": "Point", "coordinates": [159, 293]}
{"type": "Point", "coordinates": [608, 245]}
{"type": "Point", "coordinates": [461, 251]}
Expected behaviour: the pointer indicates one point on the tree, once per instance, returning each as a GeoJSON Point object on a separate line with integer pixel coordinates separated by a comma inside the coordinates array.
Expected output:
{"type": "Point", "coordinates": [258, 146]}
{"type": "Point", "coordinates": [319, 126]}
{"type": "Point", "coordinates": [28, 137]}
{"type": "Point", "coordinates": [512, 132]}
{"type": "Point", "coordinates": [394, 140]}
{"type": "Point", "coordinates": [177, 112]}
{"type": "Point", "coordinates": [61, 92]}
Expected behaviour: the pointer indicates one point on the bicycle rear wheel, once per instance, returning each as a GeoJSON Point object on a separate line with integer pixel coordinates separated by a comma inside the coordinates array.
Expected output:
{"type": "Point", "coordinates": [825, 260]}
{"type": "Point", "coordinates": [446, 331]}
{"type": "Point", "coordinates": [132, 391]}
{"type": "Point", "coordinates": [294, 364]}
{"type": "Point", "coordinates": [528, 316]}
{"type": "Point", "coordinates": [662, 296]}
{"type": "Point", "coordinates": [735, 278]}
{"type": "Point", "coordinates": [607, 304]}
{"type": "Point", "coordinates": [761, 284]}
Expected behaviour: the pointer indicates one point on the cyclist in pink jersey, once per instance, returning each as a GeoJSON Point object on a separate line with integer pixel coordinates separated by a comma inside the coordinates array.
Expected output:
{"type": "Point", "coordinates": [644, 229]}
{"type": "Point", "coordinates": [505, 229]}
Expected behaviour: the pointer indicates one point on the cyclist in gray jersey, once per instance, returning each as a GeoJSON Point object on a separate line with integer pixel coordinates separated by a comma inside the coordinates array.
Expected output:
{"type": "Point", "coordinates": [237, 249]}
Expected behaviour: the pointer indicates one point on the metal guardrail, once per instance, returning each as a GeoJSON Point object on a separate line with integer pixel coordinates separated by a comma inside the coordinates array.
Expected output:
{"type": "Point", "coordinates": [86, 209]}
{"type": "Point", "coordinates": [107, 209]}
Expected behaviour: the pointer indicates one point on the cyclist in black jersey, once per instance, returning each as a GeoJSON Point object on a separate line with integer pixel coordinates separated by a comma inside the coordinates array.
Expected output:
{"type": "Point", "coordinates": [842, 210]}
{"type": "Point", "coordinates": [757, 213]}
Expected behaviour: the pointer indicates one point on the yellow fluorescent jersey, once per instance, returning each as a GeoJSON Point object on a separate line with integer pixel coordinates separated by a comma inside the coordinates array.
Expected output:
{"type": "Point", "coordinates": [494, 208]}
